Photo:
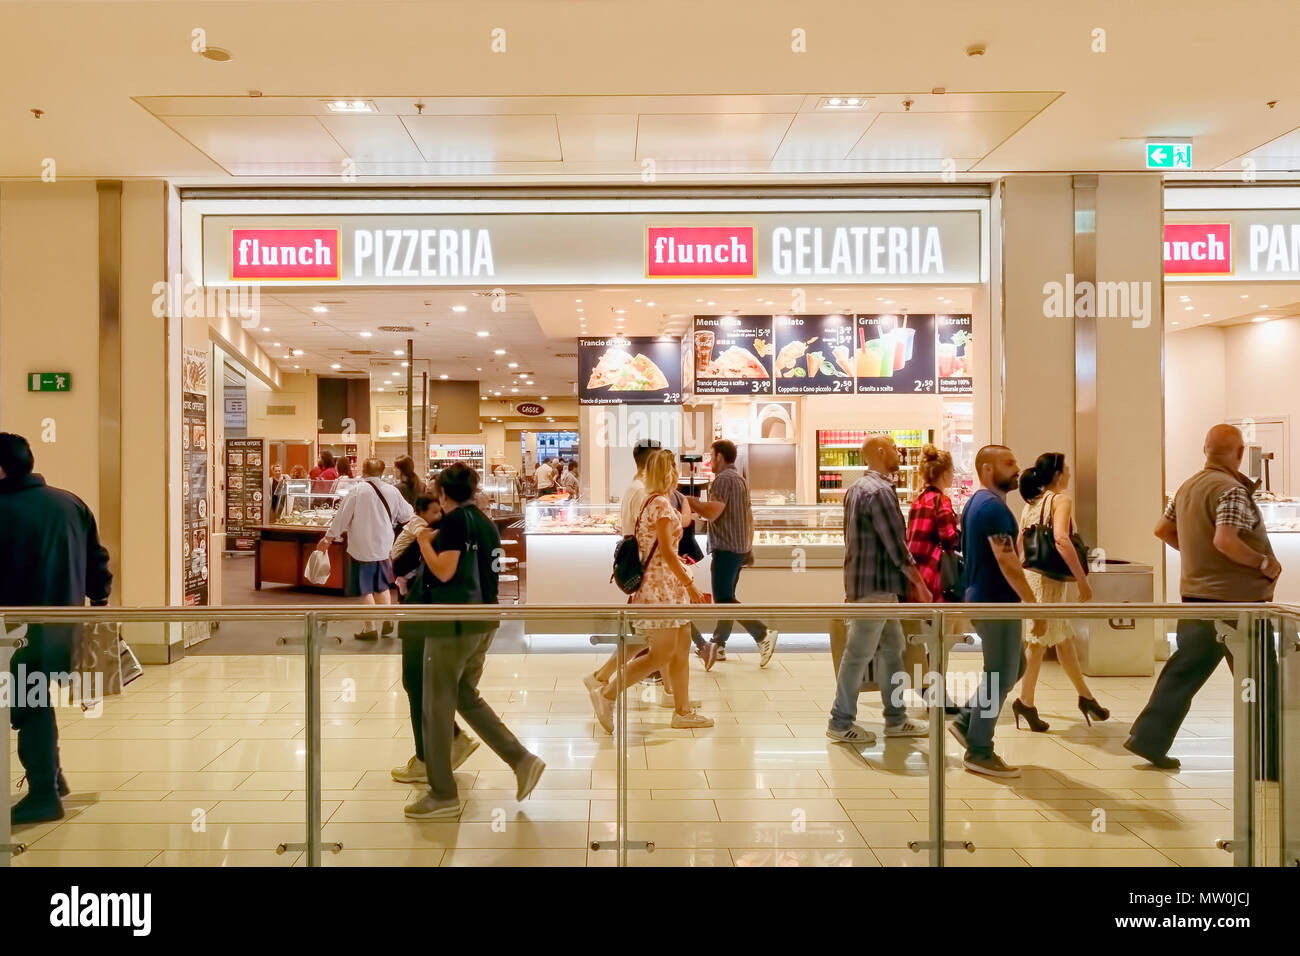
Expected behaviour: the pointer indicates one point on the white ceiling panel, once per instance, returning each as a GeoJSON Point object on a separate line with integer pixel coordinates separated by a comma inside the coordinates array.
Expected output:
{"type": "Point", "coordinates": [261, 140]}
{"type": "Point", "coordinates": [370, 138]}
{"type": "Point", "coordinates": [500, 139]}
{"type": "Point", "coordinates": [718, 136]}
{"type": "Point", "coordinates": [823, 135]}
{"type": "Point", "coordinates": [587, 137]}
{"type": "Point", "coordinates": [937, 135]}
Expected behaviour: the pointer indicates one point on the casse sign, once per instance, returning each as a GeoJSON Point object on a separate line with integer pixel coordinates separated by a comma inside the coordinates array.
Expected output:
{"type": "Point", "coordinates": [531, 409]}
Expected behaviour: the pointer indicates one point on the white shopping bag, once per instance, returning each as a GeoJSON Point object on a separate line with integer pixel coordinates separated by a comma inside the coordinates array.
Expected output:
{"type": "Point", "coordinates": [318, 568]}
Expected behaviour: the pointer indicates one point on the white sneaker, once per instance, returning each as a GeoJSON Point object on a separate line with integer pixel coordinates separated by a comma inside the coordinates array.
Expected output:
{"type": "Point", "coordinates": [462, 745]}
{"type": "Point", "coordinates": [690, 721]}
{"type": "Point", "coordinates": [911, 727]}
{"type": "Point", "coordinates": [766, 647]}
{"type": "Point", "coordinates": [604, 708]}
{"type": "Point", "coordinates": [528, 775]}
{"type": "Point", "coordinates": [592, 682]}
{"type": "Point", "coordinates": [856, 734]}
{"type": "Point", "coordinates": [413, 771]}
{"type": "Point", "coordinates": [427, 808]}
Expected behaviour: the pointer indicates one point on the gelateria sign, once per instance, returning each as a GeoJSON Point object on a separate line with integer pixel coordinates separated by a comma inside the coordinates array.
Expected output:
{"type": "Point", "coordinates": [1208, 245]}
{"type": "Point", "coordinates": [518, 249]}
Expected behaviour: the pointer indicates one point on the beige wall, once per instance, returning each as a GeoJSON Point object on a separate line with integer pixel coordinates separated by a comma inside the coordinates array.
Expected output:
{"type": "Point", "coordinates": [1195, 398]}
{"type": "Point", "coordinates": [1038, 247]}
{"type": "Point", "coordinates": [49, 322]}
{"type": "Point", "coordinates": [296, 390]}
{"type": "Point", "coordinates": [1259, 364]}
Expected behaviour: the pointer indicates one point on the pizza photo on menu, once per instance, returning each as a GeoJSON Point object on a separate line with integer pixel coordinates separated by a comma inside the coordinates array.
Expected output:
{"type": "Point", "coordinates": [736, 361]}
{"type": "Point", "coordinates": [621, 371]}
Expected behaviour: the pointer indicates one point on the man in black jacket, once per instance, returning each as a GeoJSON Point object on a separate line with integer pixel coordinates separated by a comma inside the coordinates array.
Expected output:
{"type": "Point", "coordinates": [52, 558]}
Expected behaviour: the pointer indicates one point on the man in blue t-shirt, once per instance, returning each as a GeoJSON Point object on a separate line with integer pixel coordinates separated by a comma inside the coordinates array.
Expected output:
{"type": "Point", "coordinates": [993, 576]}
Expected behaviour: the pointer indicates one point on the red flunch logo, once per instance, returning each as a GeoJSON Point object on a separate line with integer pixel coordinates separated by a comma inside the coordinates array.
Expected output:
{"type": "Point", "coordinates": [1198, 248]}
{"type": "Point", "coordinates": [284, 254]}
{"type": "Point", "coordinates": [700, 252]}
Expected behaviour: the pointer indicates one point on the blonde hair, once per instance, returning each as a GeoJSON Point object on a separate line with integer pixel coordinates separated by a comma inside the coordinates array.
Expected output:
{"type": "Point", "coordinates": [933, 464]}
{"type": "Point", "coordinates": [660, 472]}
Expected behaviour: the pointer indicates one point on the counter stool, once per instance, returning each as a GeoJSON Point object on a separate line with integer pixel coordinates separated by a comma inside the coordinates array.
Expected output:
{"type": "Point", "coordinates": [509, 574]}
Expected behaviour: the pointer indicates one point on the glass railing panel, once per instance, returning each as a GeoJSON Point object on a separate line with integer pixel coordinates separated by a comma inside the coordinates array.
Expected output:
{"type": "Point", "coordinates": [193, 763]}
{"type": "Point", "coordinates": [1288, 797]}
{"type": "Point", "coordinates": [530, 665]}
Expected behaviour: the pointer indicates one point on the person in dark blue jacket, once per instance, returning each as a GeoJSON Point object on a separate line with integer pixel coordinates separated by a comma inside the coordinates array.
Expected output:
{"type": "Point", "coordinates": [52, 558]}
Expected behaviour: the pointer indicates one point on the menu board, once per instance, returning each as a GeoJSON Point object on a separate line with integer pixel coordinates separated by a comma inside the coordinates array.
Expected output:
{"type": "Point", "coordinates": [630, 371]}
{"type": "Point", "coordinates": [194, 477]}
{"type": "Point", "coordinates": [245, 506]}
{"type": "Point", "coordinates": [895, 354]}
{"type": "Point", "coordinates": [733, 354]}
{"type": "Point", "coordinates": [953, 354]}
{"type": "Point", "coordinates": [814, 354]}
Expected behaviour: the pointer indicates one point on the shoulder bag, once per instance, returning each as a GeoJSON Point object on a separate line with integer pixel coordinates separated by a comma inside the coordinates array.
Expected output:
{"type": "Point", "coordinates": [397, 525]}
{"type": "Point", "coordinates": [952, 575]}
{"type": "Point", "coordinates": [629, 569]}
{"type": "Point", "coordinates": [465, 587]}
{"type": "Point", "coordinates": [1041, 554]}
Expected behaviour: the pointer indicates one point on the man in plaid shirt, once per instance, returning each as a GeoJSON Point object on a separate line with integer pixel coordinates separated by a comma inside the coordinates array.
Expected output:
{"type": "Point", "coordinates": [878, 568]}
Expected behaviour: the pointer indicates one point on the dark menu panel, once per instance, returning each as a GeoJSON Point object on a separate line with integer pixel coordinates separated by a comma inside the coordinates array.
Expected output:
{"type": "Point", "coordinates": [814, 354]}
{"type": "Point", "coordinates": [733, 354]}
{"type": "Point", "coordinates": [245, 506]}
{"type": "Point", "coordinates": [954, 354]}
{"type": "Point", "coordinates": [629, 371]}
{"type": "Point", "coordinates": [895, 354]}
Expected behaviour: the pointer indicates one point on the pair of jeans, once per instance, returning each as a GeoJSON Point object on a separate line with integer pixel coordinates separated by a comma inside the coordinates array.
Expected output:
{"type": "Point", "coordinates": [37, 728]}
{"type": "Point", "coordinates": [452, 668]}
{"type": "Point", "coordinates": [725, 574]}
{"type": "Point", "coordinates": [1003, 661]}
{"type": "Point", "coordinates": [881, 638]}
{"type": "Point", "coordinates": [413, 684]}
{"type": "Point", "coordinates": [1185, 673]}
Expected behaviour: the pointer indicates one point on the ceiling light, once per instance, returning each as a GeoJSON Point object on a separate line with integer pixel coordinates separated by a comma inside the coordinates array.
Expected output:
{"type": "Point", "coordinates": [276, 344]}
{"type": "Point", "coordinates": [460, 308]}
{"type": "Point", "coordinates": [365, 335]}
{"type": "Point", "coordinates": [710, 303]}
{"type": "Point", "coordinates": [1173, 323]}
{"type": "Point", "coordinates": [350, 106]}
{"type": "Point", "coordinates": [649, 304]}
{"type": "Point", "coordinates": [499, 352]}
{"type": "Point", "coordinates": [636, 300]}
{"type": "Point", "coordinates": [1205, 315]}
{"type": "Point", "coordinates": [699, 300]}
{"type": "Point", "coordinates": [530, 382]}
{"type": "Point", "coordinates": [299, 352]}
{"type": "Point", "coordinates": [1263, 305]}
{"type": "Point", "coordinates": [842, 102]}
{"type": "Point", "coordinates": [297, 366]}
{"type": "Point", "coordinates": [1187, 308]}
{"type": "Point", "coordinates": [482, 333]}
{"type": "Point", "coordinates": [514, 390]}
{"type": "Point", "coordinates": [266, 328]}
{"type": "Point", "coordinates": [398, 352]}
{"type": "Point", "coordinates": [512, 365]}
{"type": "Point", "coordinates": [549, 419]}
{"type": "Point", "coordinates": [545, 398]}
{"type": "Point", "coordinates": [479, 369]}
{"type": "Point", "coordinates": [1245, 295]}
{"type": "Point", "coordinates": [442, 376]}
{"type": "Point", "coordinates": [1184, 298]}
{"type": "Point", "coordinates": [336, 365]}
{"type": "Point", "coordinates": [319, 308]}
{"type": "Point", "coordinates": [1261, 318]}
{"type": "Point", "coordinates": [406, 365]}
{"type": "Point", "coordinates": [577, 300]}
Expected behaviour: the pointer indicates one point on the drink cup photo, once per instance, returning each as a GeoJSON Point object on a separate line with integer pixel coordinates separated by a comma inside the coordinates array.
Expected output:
{"type": "Point", "coordinates": [898, 342]}
{"type": "Point", "coordinates": [879, 359]}
{"type": "Point", "coordinates": [909, 340]}
{"type": "Point", "coordinates": [947, 359]}
{"type": "Point", "coordinates": [703, 350]}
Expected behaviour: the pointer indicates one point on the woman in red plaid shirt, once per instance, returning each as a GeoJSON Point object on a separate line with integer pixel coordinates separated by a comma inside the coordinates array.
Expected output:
{"type": "Point", "coordinates": [931, 523]}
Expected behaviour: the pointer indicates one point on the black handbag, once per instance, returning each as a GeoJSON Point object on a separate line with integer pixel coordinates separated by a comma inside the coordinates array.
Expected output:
{"type": "Point", "coordinates": [952, 575]}
{"type": "Point", "coordinates": [1041, 553]}
{"type": "Point", "coordinates": [465, 587]}
{"type": "Point", "coordinates": [629, 569]}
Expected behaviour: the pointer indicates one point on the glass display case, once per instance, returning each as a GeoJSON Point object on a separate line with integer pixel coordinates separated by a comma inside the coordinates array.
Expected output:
{"type": "Point", "coordinates": [502, 492]}
{"type": "Point", "coordinates": [1281, 515]}
{"type": "Point", "coordinates": [303, 505]}
{"type": "Point", "coordinates": [570, 517]}
{"type": "Point", "coordinates": [799, 525]}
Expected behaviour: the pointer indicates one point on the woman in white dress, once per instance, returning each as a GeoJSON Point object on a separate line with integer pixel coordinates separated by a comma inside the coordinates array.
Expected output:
{"type": "Point", "coordinates": [1043, 488]}
{"type": "Point", "coordinates": [665, 581]}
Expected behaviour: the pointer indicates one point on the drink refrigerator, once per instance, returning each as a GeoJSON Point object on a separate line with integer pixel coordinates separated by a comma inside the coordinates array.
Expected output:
{"type": "Point", "coordinates": [840, 462]}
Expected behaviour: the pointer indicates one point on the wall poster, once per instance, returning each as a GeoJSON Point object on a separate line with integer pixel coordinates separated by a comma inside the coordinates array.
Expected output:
{"type": "Point", "coordinates": [195, 523]}
{"type": "Point", "coordinates": [245, 504]}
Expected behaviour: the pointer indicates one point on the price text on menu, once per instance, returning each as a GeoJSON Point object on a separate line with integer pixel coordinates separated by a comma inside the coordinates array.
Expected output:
{"type": "Point", "coordinates": [733, 354]}
{"type": "Point", "coordinates": [814, 354]}
{"type": "Point", "coordinates": [895, 354]}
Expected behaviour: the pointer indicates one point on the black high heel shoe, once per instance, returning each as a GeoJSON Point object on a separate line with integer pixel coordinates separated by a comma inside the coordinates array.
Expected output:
{"type": "Point", "coordinates": [1036, 723]}
{"type": "Point", "coordinates": [1090, 708]}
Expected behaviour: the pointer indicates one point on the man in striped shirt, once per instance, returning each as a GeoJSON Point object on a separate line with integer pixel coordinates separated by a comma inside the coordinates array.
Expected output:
{"type": "Point", "coordinates": [878, 568]}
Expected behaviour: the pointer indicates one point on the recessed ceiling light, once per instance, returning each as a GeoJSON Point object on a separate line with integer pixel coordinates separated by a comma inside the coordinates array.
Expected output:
{"type": "Point", "coordinates": [1205, 315]}
{"type": "Point", "coordinates": [336, 365]}
{"type": "Point", "coordinates": [398, 352]}
{"type": "Point", "coordinates": [1245, 295]}
{"type": "Point", "coordinates": [514, 390]}
{"type": "Point", "coordinates": [710, 303]}
{"type": "Point", "coordinates": [299, 352]}
{"type": "Point", "coordinates": [1261, 318]}
{"type": "Point", "coordinates": [1184, 298]}
{"type": "Point", "coordinates": [297, 366]}
{"type": "Point", "coordinates": [380, 388]}
{"type": "Point", "coordinates": [636, 300]}
{"type": "Point", "coordinates": [276, 344]}
{"type": "Point", "coordinates": [499, 352]}
{"type": "Point", "coordinates": [699, 300]}
{"type": "Point", "coordinates": [266, 328]}
{"type": "Point", "coordinates": [1173, 323]}
{"type": "Point", "coordinates": [549, 418]}
{"type": "Point", "coordinates": [406, 365]}
{"type": "Point", "coordinates": [482, 333]}
{"type": "Point", "coordinates": [577, 300]}
{"type": "Point", "coordinates": [365, 335]}
{"type": "Point", "coordinates": [1263, 305]}
{"type": "Point", "coordinates": [480, 368]}
{"type": "Point", "coordinates": [460, 308]}
{"type": "Point", "coordinates": [319, 308]}
{"type": "Point", "coordinates": [512, 365]}
{"type": "Point", "coordinates": [350, 106]}
{"type": "Point", "coordinates": [442, 376]}
{"type": "Point", "coordinates": [546, 398]}
{"type": "Point", "coordinates": [649, 304]}
{"type": "Point", "coordinates": [530, 382]}
{"type": "Point", "coordinates": [1187, 308]}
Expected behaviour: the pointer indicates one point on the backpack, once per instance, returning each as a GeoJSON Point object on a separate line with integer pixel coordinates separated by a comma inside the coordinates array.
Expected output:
{"type": "Point", "coordinates": [629, 570]}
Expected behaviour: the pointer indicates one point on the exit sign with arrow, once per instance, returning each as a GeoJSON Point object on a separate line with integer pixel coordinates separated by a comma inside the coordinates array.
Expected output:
{"type": "Point", "coordinates": [1169, 155]}
{"type": "Point", "coordinates": [49, 382]}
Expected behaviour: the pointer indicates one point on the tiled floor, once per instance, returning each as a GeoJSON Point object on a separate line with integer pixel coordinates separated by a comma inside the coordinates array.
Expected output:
{"type": "Point", "coordinates": [202, 762]}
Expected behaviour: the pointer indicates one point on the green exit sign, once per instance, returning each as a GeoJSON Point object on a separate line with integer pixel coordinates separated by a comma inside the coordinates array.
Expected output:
{"type": "Point", "coordinates": [1169, 155]}
{"type": "Point", "coordinates": [49, 382]}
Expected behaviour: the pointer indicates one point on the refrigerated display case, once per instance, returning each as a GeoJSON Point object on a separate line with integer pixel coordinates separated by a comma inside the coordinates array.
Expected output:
{"type": "Point", "coordinates": [442, 455]}
{"type": "Point", "coordinates": [840, 463]}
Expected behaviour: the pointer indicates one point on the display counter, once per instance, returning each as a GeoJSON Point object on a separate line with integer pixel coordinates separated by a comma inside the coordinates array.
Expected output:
{"type": "Point", "coordinates": [305, 512]}
{"type": "Point", "coordinates": [798, 553]}
{"type": "Point", "coordinates": [1282, 522]}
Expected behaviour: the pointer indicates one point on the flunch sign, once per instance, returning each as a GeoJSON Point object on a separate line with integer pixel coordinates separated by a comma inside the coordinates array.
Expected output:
{"type": "Point", "coordinates": [284, 254]}
{"type": "Point", "coordinates": [700, 252]}
{"type": "Point", "coordinates": [1203, 249]}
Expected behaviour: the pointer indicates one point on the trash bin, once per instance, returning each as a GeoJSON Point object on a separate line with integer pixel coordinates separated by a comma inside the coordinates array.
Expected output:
{"type": "Point", "coordinates": [1118, 647]}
